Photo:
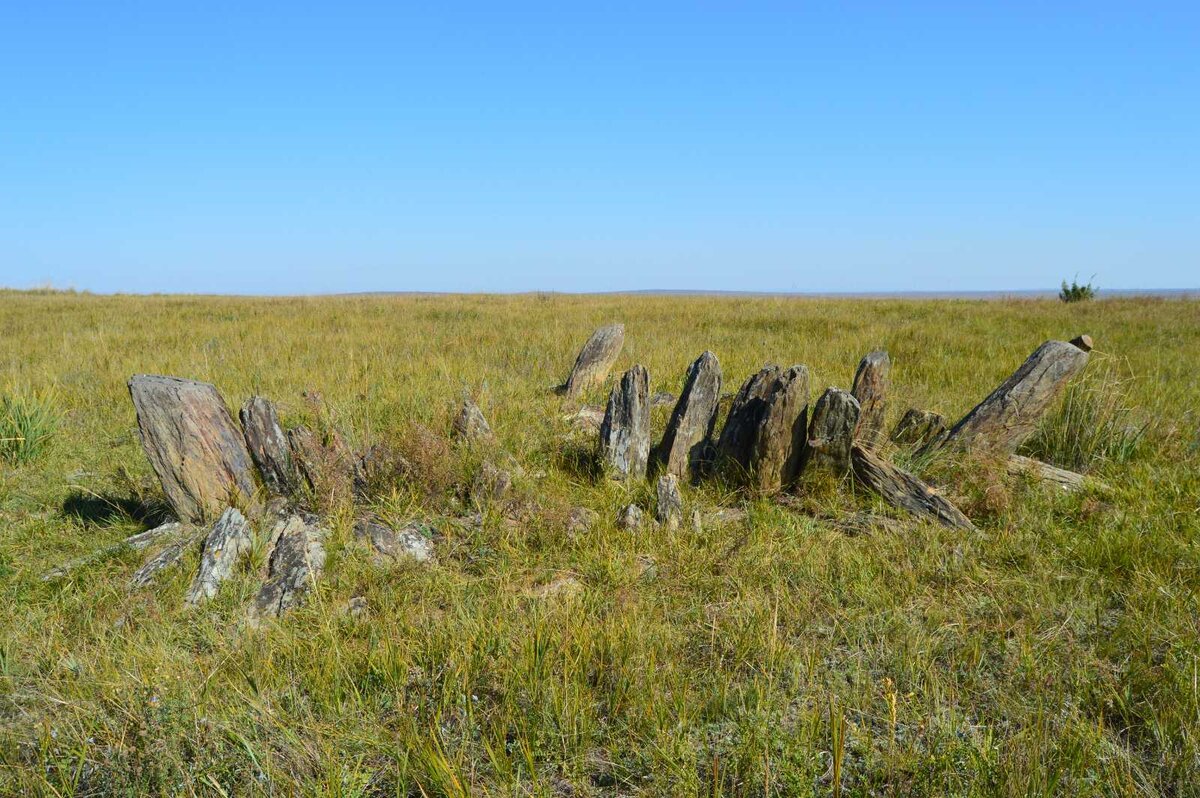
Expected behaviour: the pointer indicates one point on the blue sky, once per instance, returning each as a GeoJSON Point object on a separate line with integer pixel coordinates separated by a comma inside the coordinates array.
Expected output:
{"type": "Point", "coordinates": [296, 148]}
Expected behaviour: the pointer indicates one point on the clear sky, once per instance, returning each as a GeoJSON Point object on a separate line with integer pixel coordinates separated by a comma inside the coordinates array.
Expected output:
{"type": "Point", "coordinates": [504, 146]}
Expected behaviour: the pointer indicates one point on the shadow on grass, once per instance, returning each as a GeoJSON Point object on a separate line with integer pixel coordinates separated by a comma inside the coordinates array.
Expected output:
{"type": "Point", "coordinates": [103, 509]}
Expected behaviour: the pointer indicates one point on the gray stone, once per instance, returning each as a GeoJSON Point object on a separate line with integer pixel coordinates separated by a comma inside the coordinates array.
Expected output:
{"type": "Point", "coordinates": [580, 521]}
{"type": "Point", "coordinates": [669, 509]}
{"type": "Point", "coordinates": [297, 562]}
{"type": "Point", "coordinates": [834, 420]}
{"type": "Point", "coordinates": [625, 432]}
{"type": "Point", "coordinates": [735, 448]}
{"type": "Point", "coordinates": [413, 541]}
{"type": "Point", "coordinates": [687, 441]}
{"type": "Point", "coordinates": [918, 428]}
{"type": "Point", "coordinates": [470, 424]}
{"type": "Point", "coordinates": [491, 484]}
{"type": "Point", "coordinates": [870, 390]}
{"type": "Point", "coordinates": [268, 445]}
{"type": "Point", "coordinates": [630, 517]}
{"type": "Point", "coordinates": [227, 542]}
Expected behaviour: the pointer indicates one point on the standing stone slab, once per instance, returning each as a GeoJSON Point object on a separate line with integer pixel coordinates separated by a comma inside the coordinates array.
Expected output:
{"type": "Point", "coordinates": [669, 509]}
{"type": "Point", "coordinates": [782, 432]}
{"type": "Point", "coordinates": [228, 541]}
{"type": "Point", "coordinates": [901, 489]}
{"type": "Point", "coordinates": [595, 360]}
{"type": "Point", "coordinates": [918, 428]}
{"type": "Point", "coordinates": [625, 431]}
{"type": "Point", "coordinates": [196, 450]}
{"type": "Point", "coordinates": [735, 448]}
{"type": "Point", "coordinates": [1009, 415]}
{"type": "Point", "coordinates": [296, 563]}
{"type": "Point", "coordinates": [685, 444]}
{"type": "Point", "coordinates": [870, 389]}
{"type": "Point", "coordinates": [470, 425]}
{"type": "Point", "coordinates": [268, 445]}
{"type": "Point", "coordinates": [835, 418]}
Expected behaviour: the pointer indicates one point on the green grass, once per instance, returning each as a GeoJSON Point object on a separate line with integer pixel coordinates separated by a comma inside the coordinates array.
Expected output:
{"type": "Point", "coordinates": [1054, 651]}
{"type": "Point", "coordinates": [27, 423]}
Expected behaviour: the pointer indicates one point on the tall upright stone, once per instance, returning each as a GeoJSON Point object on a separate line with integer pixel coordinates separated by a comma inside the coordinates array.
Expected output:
{"type": "Point", "coordinates": [782, 432]}
{"type": "Point", "coordinates": [595, 360]}
{"type": "Point", "coordinates": [831, 433]}
{"type": "Point", "coordinates": [870, 389]}
{"type": "Point", "coordinates": [268, 445]}
{"type": "Point", "coordinates": [686, 442]}
{"type": "Point", "coordinates": [735, 447]}
{"type": "Point", "coordinates": [193, 445]}
{"type": "Point", "coordinates": [625, 432]}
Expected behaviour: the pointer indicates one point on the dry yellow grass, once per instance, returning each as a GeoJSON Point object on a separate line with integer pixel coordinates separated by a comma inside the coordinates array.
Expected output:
{"type": "Point", "coordinates": [1055, 651]}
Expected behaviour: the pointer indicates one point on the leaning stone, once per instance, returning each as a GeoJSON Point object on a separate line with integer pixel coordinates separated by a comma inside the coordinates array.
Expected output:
{"type": "Point", "coordinates": [164, 559]}
{"type": "Point", "coordinates": [686, 443]}
{"type": "Point", "coordinates": [870, 390]}
{"type": "Point", "coordinates": [228, 541]}
{"type": "Point", "coordinates": [595, 360]}
{"type": "Point", "coordinates": [268, 445]}
{"type": "Point", "coordinates": [625, 433]}
{"type": "Point", "coordinates": [735, 447]}
{"type": "Point", "coordinates": [296, 563]}
{"type": "Point", "coordinates": [782, 433]}
{"type": "Point", "coordinates": [135, 542]}
{"type": "Point", "coordinates": [835, 418]}
{"type": "Point", "coordinates": [630, 517]}
{"type": "Point", "coordinates": [669, 510]}
{"type": "Point", "coordinates": [411, 542]}
{"type": "Point", "coordinates": [194, 447]}
{"type": "Point", "coordinates": [470, 424]}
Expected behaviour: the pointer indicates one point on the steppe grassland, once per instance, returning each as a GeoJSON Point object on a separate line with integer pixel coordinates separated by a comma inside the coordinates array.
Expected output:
{"type": "Point", "coordinates": [1053, 651]}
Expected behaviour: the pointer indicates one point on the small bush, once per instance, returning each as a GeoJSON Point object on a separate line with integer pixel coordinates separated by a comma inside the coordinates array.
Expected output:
{"type": "Point", "coordinates": [27, 423]}
{"type": "Point", "coordinates": [1093, 423]}
{"type": "Point", "coordinates": [1076, 291]}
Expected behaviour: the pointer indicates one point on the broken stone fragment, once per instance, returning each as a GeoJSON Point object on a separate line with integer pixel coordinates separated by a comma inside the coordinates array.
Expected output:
{"type": "Point", "coordinates": [227, 542]}
{"type": "Point", "coordinates": [580, 521]}
{"type": "Point", "coordinates": [296, 564]}
{"type": "Point", "coordinates": [669, 509]}
{"type": "Point", "coordinates": [491, 484]}
{"type": "Point", "coordinates": [413, 541]}
{"type": "Point", "coordinates": [470, 424]}
{"type": "Point", "coordinates": [630, 517]}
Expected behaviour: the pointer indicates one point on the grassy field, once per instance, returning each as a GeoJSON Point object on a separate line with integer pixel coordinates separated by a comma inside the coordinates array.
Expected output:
{"type": "Point", "coordinates": [1056, 650]}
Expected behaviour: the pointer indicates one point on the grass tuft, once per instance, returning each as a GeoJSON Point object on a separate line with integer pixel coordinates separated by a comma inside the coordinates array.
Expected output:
{"type": "Point", "coordinates": [28, 421]}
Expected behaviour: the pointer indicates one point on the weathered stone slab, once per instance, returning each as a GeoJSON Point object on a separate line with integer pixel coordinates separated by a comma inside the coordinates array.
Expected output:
{"type": "Point", "coordinates": [268, 445]}
{"type": "Point", "coordinates": [192, 443]}
{"type": "Point", "coordinates": [870, 390]}
{"type": "Point", "coordinates": [919, 428]}
{"type": "Point", "coordinates": [135, 542]}
{"type": "Point", "coordinates": [413, 541]}
{"type": "Point", "coordinates": [595, 360]}
{"type": "Point", "coordinates": [831, 433]}
{"type": "Point", "coordinates": [735, 448]}
{"type": "Point", "coordinates": [901, 489]}
{"type": "Point", "coordinates": [296, 563]}
{"type": "Point", "coordinates": [630, 517]}
{"type": "Point", "coordinates": [1068, 481]}
{"type": "Point", "coordinates": [166, 558]}
{"type": "Point", "coordinates": [491, 483]}
{"type": "Point", "coordinates": [226, 543]}
{"type": "Point", "coordinates": [782, 432]}
{"type": "Point", "coordinates": [470, 425]}
{"type": "Point", "coordinates": [686, 443]}
{"type": "Point", "coordinates": [1009, 415]}
{"type": "Point", "coordinates": [669, 509]}
{"type": "Point", "coordinates": [625, 431]}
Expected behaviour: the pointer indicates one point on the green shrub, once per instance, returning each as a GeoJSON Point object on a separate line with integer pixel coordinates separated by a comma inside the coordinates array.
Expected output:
{"type": "Point", "coordinates": [27, 423]}
{"type": "Point", "coordinates": [1093, 423]}
{"type": "Point", "coordinates": [1076, 291]}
